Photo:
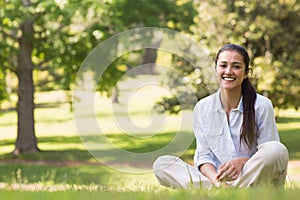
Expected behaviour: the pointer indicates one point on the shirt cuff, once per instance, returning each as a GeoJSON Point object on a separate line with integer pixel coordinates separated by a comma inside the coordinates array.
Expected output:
{"type": "Point", "coordinates": [204, 161]}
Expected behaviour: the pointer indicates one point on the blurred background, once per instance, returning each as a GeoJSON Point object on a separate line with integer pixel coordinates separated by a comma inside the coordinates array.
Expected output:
{"type": "Point", "coordinates": [44, 43]}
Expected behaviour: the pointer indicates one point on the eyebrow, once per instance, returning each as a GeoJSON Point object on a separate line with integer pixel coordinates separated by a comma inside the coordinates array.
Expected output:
{"type": "Point", "coordinates": [236, 62]}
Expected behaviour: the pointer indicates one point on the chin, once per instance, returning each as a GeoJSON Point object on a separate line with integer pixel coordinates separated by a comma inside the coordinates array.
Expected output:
{"type": "Point", "coordinates": [230, 87]}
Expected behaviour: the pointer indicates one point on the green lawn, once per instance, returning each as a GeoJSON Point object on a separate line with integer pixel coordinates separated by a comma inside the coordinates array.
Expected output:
{"type": "Point", "coordinates": [289, 128]}
{"type": "Point", "coordinates": [220, 194]}
{"type": "Point", "coordinates": [66, 170]}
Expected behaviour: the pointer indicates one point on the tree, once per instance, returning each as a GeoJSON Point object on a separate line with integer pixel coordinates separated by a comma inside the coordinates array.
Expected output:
{"type": "Point", "coordinates": [34, 37]}
{"type": "Point", "coordinates": [45, 42]}
{"type": "Point", "coordinates": [21, 45]}
{"type": "Point", "coordinates": [174, 14]}
{"type": "Point", "coordinates": [26, 140]}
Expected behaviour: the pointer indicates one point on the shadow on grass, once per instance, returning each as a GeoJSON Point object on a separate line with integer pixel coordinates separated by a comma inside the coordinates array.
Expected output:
{"type": "Point", "coordinates": [50, 174]}
{"type": "Point", "coordinates": [138, 144]}
{"type": "Point", "coordinates": [283, 120]}
{"type": "Point", "coordinates": [137, 151]}
{"type": "Point", "coordinates": [291, 139]}
{"type": "Point", "coordinates": [62, 165]}
{"type": "Point", "coordinates": [57, 153]}
{"type": "Point", "coordinates": [6, 142]}
{"type": "Point", "coordinates": [49, 104]}
{"type": "Point", "coordinates": [58, 150]}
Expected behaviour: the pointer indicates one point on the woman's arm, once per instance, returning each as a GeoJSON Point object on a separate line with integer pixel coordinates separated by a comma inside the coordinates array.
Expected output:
{"type": "Point", "coordinates": [209, 170]}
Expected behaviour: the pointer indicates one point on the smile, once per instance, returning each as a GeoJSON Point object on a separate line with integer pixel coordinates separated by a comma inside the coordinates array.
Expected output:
{"type": "Point", "coordinates": [228, 78]}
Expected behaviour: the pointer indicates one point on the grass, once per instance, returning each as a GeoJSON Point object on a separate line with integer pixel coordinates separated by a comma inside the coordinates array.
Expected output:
{"type": "Point", "coordinates": [66, 170]}
{"type": "Point", "coordinates": [217, 194]}
{"type": "Point", "coordinates": [289, 128]}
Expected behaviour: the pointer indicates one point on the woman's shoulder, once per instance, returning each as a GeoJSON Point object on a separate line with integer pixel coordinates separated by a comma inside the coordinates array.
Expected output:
{"type": "Point", "coordinates": [207, 101]}
{"type": "Point", "coordinates": [263, 101]}
{"type": "Point", "coordinates": [209, 98]}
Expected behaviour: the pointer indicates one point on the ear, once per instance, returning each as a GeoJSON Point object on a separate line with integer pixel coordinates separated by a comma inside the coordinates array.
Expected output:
{"type": "Point", "coordinates": [246, 74]}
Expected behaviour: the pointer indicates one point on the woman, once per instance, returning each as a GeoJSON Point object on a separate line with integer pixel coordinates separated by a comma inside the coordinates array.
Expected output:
{"type": "Point", "coordinates": [237, 139]}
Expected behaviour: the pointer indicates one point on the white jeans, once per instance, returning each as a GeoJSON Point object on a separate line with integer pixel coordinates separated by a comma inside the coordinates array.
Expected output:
{"type": "Point", "coordinates": [267, 166]}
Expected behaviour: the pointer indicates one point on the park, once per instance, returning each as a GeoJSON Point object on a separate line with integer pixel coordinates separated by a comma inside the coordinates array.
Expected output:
{"type": "Point", "coordinates": [89, 96]}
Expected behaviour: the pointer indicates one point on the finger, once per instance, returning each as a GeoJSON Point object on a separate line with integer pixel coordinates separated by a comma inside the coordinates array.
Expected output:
{"type": "Point", "coordinates": [236, 176]}
{"type": "Point", "coordinates": [231, 173]}
{"type": "Point", "coordinates": [224, 166]}
{"type": "Point", "coordinates": [220, 174]}
{"type": "Point", "coordinates": [224, 171]}
{"type": "Point", "coordinates": [223, 176]}
{"type": "Point", "coordinates": [232, 176]}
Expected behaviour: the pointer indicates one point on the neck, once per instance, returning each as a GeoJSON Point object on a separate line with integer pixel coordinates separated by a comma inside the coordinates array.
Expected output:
{"type": "Point", "coordinates": [230, 99]}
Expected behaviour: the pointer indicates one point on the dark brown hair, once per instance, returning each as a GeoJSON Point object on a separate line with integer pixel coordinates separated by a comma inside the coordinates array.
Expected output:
{"type": "Point", "coordinates": [248, 129]}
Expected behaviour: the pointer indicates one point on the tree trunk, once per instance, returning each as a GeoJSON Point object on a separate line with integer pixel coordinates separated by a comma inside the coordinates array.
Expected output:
{"type": "Point", "coordinates": [26, 140]}
{"type": "Point", "coordinates": [115, 95]}
{"type": "Point", "coordinates": [150, 59]}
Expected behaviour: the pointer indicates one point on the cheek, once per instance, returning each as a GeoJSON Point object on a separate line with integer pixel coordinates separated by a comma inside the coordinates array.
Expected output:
{"type": "Point", "coordinates": [219, 73]}
{"type": "Point", "coordinates": [243, 75]}
{"type": "Point", "coordinates": [219, 76]}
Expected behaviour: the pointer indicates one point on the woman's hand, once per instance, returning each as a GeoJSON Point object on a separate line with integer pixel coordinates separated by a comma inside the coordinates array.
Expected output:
{"type": "Point", "coordinates": [230, 170]}
{"type": "Point", "coordinates": [210, 172]}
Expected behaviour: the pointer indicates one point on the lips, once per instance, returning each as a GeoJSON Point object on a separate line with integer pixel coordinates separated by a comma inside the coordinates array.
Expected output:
{"type": "Point", "coordinates": [227, 78]}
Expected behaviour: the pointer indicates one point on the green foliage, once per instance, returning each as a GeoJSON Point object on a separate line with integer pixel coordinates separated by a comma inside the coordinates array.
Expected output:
{"type": "Point", "coordinates": [184, 99]}
{"type": "Point", "coordinates": [269, 34]}
{"type": "Point", "coordinates": [66, 31]}
{"type": "Point", "coordinates": [3, 92]}
{"type": "Point", "coordinates": [268, 30]}
{"type": "Point", "coordinates": [127, 14]}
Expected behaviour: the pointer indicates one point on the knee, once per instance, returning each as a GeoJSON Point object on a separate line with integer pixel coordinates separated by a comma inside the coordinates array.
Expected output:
{"type": "Point", "coordinates": [273, 152]}
{"type": "Point", "coordinates": [163, 162]}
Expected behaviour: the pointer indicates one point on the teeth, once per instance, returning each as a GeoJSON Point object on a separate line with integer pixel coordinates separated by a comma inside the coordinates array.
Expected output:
{"type": "Point", "coordinates": [228, 79]}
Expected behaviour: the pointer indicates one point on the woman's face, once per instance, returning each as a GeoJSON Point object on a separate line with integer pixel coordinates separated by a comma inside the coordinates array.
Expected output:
{"type": "Point", "coordinates": [230, 70]}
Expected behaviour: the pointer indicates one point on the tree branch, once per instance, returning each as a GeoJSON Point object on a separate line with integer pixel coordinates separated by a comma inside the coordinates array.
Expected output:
{"type": "Point", "coordinates": [27, 3]}
{"type": "Point", "coordinates": [13, 36]}
{"type": "Point", "coordinates": [37, 16]}
{"type": "Point", "coordinates": [41, 64]}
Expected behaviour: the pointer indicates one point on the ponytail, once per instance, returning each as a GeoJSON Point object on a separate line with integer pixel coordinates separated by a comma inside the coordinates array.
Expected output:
{"type": "Point", "coordinates": [248, 131]}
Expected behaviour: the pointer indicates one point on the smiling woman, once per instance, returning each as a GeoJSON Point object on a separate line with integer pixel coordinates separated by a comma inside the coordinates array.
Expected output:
{"type": "Point", "coordinates": [236, 134]}
{"type": "Point", "coordinates": [231, 70]}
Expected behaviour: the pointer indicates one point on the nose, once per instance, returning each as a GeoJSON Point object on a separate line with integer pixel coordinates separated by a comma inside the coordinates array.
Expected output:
{"type": "Point", "coordinates": [228, 69]}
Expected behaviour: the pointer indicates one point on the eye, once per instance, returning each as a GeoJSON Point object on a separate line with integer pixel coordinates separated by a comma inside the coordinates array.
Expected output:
{"type": "Point", "coordinates": [222, 65]}
{"type": "Point", "coordinates": [237, 66]}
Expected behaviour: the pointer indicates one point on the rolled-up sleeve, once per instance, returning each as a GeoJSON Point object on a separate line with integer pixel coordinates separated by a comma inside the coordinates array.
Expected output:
{"type": "Point", "coordinates": [203, 153]}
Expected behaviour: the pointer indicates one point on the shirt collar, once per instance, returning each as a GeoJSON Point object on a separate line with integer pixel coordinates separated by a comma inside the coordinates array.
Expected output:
{"type": "Point", "coordinates": [240, 106]}
{"type": "Point", "coordinates": [218, 104]}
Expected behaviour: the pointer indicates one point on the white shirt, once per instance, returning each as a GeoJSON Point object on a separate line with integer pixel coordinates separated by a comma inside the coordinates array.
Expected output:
{"type": "Point", "coordinates": [218, 140]}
